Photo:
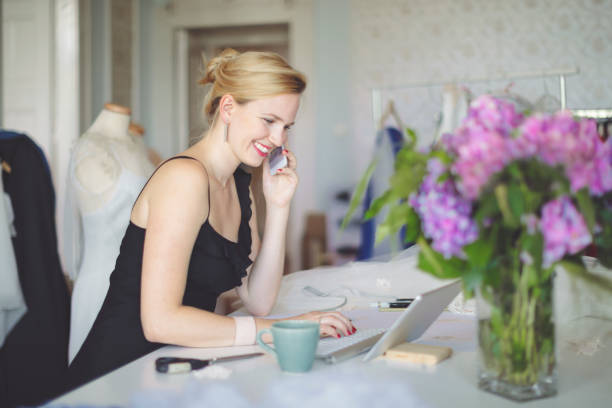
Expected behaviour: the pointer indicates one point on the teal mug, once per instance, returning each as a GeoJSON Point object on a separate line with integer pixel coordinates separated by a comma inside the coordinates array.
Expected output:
{"type": "Point", "coordinates": [295, 344]}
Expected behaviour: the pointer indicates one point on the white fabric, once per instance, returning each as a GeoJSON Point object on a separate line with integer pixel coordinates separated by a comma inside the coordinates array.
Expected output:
{"type": "Point", "coordinates": [455, 104]}
{"type": "Point", "coordinates": [92, 246]}
{"type": "Point", "coordinates": [246, 330]}
{"type": "Point", "coordinates": [12, 305]}
{"type": "Point", "coordinates": [213, 372]}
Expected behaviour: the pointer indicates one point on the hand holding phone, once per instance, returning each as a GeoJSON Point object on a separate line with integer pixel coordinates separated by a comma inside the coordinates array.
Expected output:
{"type": "Point", "coordinates": [277, 160]}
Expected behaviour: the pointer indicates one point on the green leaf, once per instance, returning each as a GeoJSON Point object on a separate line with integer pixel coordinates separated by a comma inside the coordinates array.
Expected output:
{"type": "Point", "coordinates": [472, 279]}
{"type": "Point", "coordinates": [396, 218]}
{"type": "Point", "coordinates": [586, 207]}
{"type": "Point", "coordinates": [412, 137]}
{"type": "Point", "coordinates": [443, 177]}
{"type": "Point", "coordinates": [359, 193]}
{"type": "Point", "coordinates": [479, 252]}
{"type": "Point", "coordinates": [378, 204]}
{"type": "Point", "coordinates": [382, 232]}
{"type": "Point", "coordinates": [434, 263]}
{"type": "Point", "coordinates": [514, 171]}
{"type": "Point", "coordinates": [534, 245]}
{"type": "Point", "coordinates": [413, 226]}
{"type": "Point", "coordinates": [487, 208]}
{"type": "Point", "coordinates": [515, 200]}
{"type": "Point", "coordinates": [443, 156]}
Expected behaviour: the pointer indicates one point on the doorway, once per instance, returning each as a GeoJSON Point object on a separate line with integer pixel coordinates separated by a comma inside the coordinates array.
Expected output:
{"type": "Point", "coordinates": [205, 43]}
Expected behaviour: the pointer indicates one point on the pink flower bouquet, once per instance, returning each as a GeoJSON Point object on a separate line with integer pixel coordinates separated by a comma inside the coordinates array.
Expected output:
{"type": "Point", "coordinates": [500, 203]}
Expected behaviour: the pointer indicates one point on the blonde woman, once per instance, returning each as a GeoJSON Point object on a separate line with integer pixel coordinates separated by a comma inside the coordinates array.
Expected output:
{"type": "Point", "coordinates": [193, 232]}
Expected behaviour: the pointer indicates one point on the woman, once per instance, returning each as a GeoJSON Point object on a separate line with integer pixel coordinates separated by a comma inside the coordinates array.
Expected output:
{"type": "Point", "coordinates": [193, 233]}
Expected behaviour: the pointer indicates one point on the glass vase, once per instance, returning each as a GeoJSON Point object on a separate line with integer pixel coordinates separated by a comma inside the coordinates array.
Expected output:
{"type": "Point", "coordinates": [516, 334]}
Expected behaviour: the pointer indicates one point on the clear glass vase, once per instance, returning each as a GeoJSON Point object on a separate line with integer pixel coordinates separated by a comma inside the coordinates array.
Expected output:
{"type": "Point", "coordinates": [516, 334]}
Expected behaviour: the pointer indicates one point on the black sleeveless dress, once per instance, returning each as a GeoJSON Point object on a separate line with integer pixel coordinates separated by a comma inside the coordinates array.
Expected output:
{"type": "Point", "coordinates": [216, 265]}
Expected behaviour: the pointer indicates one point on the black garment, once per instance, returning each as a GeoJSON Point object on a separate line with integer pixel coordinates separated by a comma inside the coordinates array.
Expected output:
{"type": "Point", "coordinates": [34, 357]}
{"type": "Point", "coordinates": [216, 265]}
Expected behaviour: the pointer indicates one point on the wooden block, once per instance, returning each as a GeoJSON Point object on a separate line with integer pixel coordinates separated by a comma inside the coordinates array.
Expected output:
{"type": "Point", "coordinates": [418, 353]}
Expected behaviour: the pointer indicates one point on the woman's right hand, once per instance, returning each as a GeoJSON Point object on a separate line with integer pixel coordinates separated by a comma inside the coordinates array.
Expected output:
{"type": "Point", "coordinates": [333, 324]}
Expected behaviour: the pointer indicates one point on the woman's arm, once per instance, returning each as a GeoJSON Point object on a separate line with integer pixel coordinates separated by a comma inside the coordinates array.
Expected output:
{"type": "Point", "coordinates": [260, 287]}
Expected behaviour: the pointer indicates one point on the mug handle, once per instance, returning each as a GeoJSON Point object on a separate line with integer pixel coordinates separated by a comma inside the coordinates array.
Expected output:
{"type": "Point", "coordinates": [261, 342]}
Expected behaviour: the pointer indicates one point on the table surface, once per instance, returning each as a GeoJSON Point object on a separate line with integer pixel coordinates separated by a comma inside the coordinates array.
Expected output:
{"type": "Point", "coordinates": [585, 374]}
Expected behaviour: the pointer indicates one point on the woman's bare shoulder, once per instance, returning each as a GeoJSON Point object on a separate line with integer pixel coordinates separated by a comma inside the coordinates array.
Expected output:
{"type": "Point", "coordinates": [180, 187]}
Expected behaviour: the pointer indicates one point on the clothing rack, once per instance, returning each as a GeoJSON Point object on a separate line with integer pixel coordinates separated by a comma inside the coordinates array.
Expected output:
{"type": "Point", "coordinates": [561, 73]}
{"type": "Point", "coordinates": [597, 114]}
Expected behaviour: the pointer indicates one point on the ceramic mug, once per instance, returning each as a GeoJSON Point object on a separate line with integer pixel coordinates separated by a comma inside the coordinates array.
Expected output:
{"type": "Point", "coordinates": [295, 344]}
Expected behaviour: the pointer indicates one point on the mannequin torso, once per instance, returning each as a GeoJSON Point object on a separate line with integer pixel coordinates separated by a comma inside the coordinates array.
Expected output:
{"type": "Point", "coordinates": [103, 152]}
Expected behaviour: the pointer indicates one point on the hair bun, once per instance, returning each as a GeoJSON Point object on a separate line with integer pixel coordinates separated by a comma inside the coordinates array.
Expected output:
{"type": "Point", "coordinates": [217, 63]}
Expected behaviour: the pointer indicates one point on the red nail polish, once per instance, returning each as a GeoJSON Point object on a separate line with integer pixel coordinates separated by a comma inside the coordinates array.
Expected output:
{"type": "Point", "coordinates": [279, 170]}
{"type": "Point", "coordinates": [285, 151]}
{"type": "Point", "coordinates": [337, 335]}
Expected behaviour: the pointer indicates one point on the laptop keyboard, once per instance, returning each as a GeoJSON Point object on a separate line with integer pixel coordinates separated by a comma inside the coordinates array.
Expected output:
{"type": "Point", "coordinates": [332, 350]}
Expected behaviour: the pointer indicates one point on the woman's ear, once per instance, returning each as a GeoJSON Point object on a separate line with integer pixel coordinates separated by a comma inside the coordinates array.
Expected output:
{"type": "Point", "coordinates": [226, 107]}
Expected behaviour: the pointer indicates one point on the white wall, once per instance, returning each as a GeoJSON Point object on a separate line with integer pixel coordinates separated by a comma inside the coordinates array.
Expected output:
{"type": "Point", "coordinates": [333, 164]}
{"type": "Point", "coordinates": [27, 70]}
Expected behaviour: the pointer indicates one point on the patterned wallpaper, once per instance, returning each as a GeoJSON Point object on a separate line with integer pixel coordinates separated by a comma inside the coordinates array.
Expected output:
{"type": "Point", "coordinates": [395, 42]}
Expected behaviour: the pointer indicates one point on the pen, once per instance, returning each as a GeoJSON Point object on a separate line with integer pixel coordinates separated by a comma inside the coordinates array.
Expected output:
{"type": "Point", "coordinates": [393, 305]}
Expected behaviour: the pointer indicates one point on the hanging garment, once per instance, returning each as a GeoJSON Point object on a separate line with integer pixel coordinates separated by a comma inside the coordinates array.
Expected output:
{"type": "Point", "coordinates": [455, 105]}
{"type": "Point", "coordinates": [389, 141]}
{"type": "Point", "coordinates": [33, 357]}
{"type": "Point", "coordinates": [12, 305]}
{"type": "Point", "coordinates": [99, 233]}
{"type": "Point", "coordinates": [215, 266]}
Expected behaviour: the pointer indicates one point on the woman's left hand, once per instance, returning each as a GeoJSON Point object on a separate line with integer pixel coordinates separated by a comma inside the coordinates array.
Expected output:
{"type": "Point", "coordinates": [279, 188]}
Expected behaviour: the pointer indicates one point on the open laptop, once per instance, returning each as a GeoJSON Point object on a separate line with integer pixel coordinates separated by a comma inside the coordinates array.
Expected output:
{"type": "Point", "coordinates": [410, 325]}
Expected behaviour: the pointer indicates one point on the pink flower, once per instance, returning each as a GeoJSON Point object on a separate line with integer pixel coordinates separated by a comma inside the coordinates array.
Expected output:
{"type": "Point", "coordinates": [482, 144]}
{"type": "Point", "coordinates": [560, 140]}
{"type": "Point", "coordinates": [445, 216]}
{"type": "Point", "coordinates": [564, 230]}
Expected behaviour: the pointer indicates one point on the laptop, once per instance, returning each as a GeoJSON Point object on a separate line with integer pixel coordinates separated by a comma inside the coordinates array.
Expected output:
{"type": "Point", "coordinates": [410, 325]}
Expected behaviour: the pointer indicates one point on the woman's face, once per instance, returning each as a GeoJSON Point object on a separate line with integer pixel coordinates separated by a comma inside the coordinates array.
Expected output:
{"type": "Point", "coordinates": [257, 127]}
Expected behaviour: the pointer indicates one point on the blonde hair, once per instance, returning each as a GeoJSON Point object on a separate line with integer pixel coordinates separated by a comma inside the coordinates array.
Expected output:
{"type": "Point", "coordinates": [247, 77]}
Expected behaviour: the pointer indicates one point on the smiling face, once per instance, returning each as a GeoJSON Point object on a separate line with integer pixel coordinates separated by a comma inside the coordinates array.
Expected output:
{"type": "Point", "coordinates": [257, 127]}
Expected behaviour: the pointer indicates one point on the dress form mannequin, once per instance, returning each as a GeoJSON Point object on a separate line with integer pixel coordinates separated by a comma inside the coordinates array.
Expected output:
{"type": "Point", "coordinates": [107, 171]}
{"type": "Point", "coordinates": [138, 131]}
{"type": "Point", "coordinates": [103, 150]}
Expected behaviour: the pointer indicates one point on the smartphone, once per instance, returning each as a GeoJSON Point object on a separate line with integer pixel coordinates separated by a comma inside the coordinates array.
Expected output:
{"type": "Point", "coordinates": [277, 160]}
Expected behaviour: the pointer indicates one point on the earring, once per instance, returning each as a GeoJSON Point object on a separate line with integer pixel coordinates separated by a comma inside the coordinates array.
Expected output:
{"type": "Point", "coordinates": [225, 131]}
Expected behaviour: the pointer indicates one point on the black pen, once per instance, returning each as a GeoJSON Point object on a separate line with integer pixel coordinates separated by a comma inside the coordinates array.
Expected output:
{"type": "Point", "coordinates": [392, 305]}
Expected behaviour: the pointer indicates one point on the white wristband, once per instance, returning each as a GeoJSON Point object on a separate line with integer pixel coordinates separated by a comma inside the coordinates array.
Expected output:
{"type": "Point", "coordinates": [246, 330]}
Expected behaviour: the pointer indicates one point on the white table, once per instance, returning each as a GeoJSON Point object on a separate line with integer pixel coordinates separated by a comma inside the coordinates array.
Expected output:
{"type": "Point", "coordinates": [584, 380]}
